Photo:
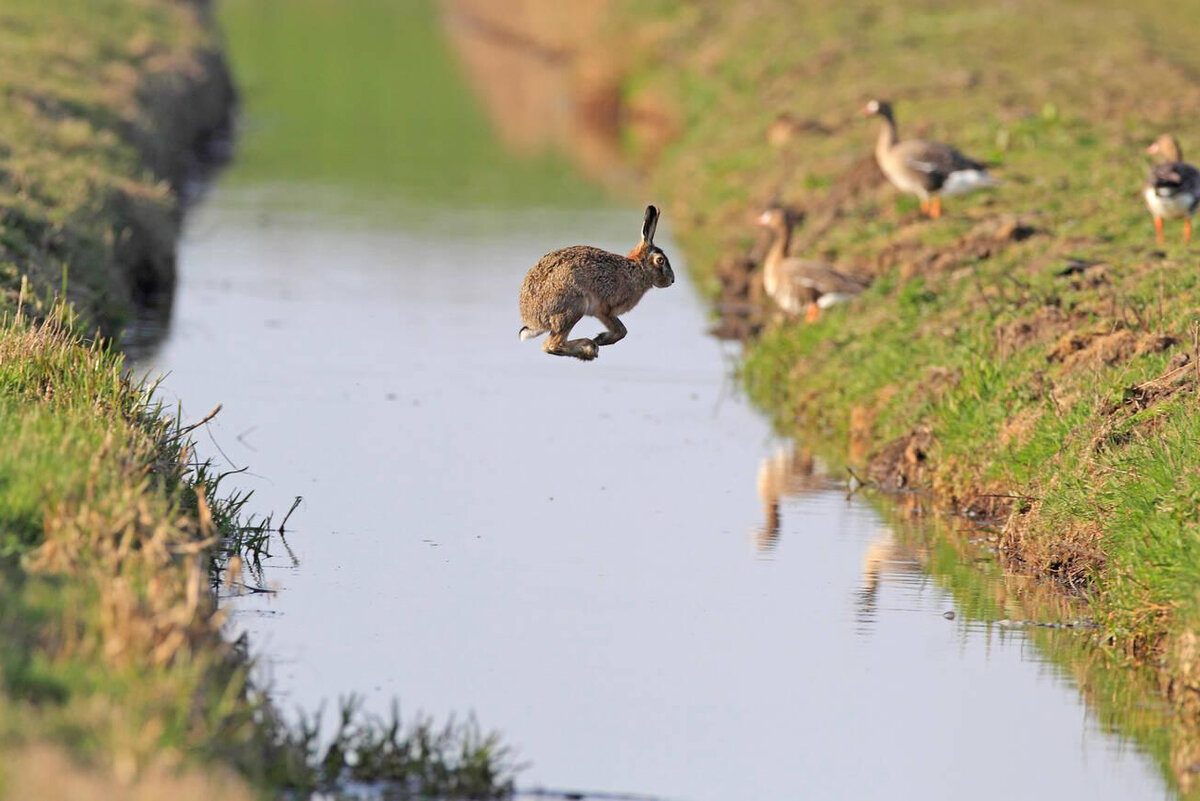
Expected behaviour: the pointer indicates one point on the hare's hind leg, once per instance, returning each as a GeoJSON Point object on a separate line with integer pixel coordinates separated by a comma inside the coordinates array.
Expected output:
{"type": "Point", "coordinates": [615, 333]}
{"type": "Point", "coordinates": [558, 344]}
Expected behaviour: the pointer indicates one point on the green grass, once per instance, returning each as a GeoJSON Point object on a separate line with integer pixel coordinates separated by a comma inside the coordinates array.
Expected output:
{"type": "Point", "coordinates": [962, 334]}
{"type": "Point", "coordinates": [111, 646]}
{"type": "Point", "coordinates": [108, 652]}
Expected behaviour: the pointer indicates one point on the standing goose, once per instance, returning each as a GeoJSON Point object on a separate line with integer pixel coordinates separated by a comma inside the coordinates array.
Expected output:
{"type": "Point", "coordinates": [922, 168]}
{"type": "Point", "coordinates": [796, 284]}
{"type": "Point", "coordinates": [1173, 189]}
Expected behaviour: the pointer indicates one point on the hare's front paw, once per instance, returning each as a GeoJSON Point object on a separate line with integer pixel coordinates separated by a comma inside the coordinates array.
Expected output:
{"type": "Point", "coordinates": [588, 350]}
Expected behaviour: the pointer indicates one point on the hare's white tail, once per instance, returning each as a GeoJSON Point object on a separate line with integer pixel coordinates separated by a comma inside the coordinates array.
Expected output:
{"type": "Point", "coordinates": [529, 333]}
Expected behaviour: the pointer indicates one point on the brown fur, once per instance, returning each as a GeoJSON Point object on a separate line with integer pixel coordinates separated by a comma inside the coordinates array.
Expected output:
{"type": "Point", "coordinates": [574, 282]}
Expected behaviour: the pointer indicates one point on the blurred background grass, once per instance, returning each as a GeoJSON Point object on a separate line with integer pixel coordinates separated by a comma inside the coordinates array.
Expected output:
{"type": "Point", "coordinates": [390, 116]}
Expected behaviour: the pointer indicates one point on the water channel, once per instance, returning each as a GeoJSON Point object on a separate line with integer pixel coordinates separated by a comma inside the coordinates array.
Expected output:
{"type": "Point", "coordinates": [615, 564]}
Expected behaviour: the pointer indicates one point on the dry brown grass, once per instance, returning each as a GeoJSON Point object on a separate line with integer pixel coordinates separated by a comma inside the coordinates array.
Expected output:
{"type": "Point", "coordinates": [48, 773]}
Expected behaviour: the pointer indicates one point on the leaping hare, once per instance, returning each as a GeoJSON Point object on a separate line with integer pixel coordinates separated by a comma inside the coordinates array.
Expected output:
{"type": "Point", "coordinates": [568, 284]}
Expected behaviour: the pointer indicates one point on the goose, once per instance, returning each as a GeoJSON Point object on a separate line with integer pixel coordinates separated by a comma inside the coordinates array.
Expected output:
{"type": "Point", "coordinates": [796, 284]}
{"type": "Point", "coordinates": [926, 169]}
{"type": "Point", "coordinates": [1173, 188]}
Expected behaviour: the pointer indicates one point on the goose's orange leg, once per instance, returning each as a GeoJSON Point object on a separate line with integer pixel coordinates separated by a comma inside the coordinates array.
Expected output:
{"type": "Point", "coordinates": [925, 206]}
{"type": "Point", "coordinates": [814, 311]}
{"type": "Point", "coordinates": [1158, 229]}
{"type": "Point", "coordinates": [1187, 230]}
{"type": "Point", "coordinates": [935, 207]}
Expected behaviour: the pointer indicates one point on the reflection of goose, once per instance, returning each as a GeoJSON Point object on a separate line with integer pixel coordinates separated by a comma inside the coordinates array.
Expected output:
{"type": "Point", "coordinates": [884, 555]}
{"type": "Point", "coordinates": [880, 550]}
{"type": "Point", "coordinates": [790, 471]}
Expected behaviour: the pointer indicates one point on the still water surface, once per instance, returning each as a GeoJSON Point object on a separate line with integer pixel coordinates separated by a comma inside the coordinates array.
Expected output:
{"type": "Point", "coordinates": [568, 550]}
{"type": "Point", "coordinates": [574, 552]}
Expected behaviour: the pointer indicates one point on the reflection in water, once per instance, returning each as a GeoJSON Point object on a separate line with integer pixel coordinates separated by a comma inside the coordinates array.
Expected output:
{"type": "Point", "coordinates": [793, 471]}
{"type": "Point", "coordinates": [884, 557]}
{"type": "Point", "coordinates": [788, 472]}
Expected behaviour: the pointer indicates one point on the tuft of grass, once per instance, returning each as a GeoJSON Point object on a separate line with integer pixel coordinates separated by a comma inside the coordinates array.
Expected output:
{"type": "Point", "coordinates": [419, 759]}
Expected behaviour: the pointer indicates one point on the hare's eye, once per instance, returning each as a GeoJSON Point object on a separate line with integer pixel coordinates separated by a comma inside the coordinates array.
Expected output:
{"type": "Point", "coordinates": [658, 259]}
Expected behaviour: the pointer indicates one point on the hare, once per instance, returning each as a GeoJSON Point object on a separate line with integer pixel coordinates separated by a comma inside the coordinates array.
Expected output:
{"type": "Point", "coordinates": [568, 284]}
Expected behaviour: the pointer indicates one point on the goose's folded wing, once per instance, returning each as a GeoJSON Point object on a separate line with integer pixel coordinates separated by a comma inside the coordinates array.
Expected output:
{"type": "Point", "coordinates": [933, 162]}
{"type": "Point", "coordinates": [1175, 178]}
{"type": "Point", "coordinates": [821, 277]}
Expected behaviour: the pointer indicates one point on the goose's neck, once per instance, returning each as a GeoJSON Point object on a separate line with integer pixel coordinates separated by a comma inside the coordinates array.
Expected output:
{"type": "Point", "coordinates": [887, 136]}
{"type": "Point", "coordinates": [779, 247]}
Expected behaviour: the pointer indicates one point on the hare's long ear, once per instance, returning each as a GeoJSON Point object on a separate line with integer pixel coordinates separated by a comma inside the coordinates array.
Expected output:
{"type": "Point", "coordinates": [650, 224]}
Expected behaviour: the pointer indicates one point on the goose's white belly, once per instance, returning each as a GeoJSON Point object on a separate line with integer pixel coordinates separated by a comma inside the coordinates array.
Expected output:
{"type": "Point", "coordinates": [834, 298]}
{"type": "Point", "coordinates": [1169, 205]}
{"type": "Point", "coordinates": [902, 181]}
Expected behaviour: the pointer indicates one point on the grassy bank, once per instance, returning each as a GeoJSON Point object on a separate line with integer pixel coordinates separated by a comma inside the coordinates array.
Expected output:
{"type": "Point", "coordinates": [115, 679]}
{"type": "Point", "coordinates": [112, 649]}
{"type": "Point", "coordinates": [112, 645]}
{"type": "Point", "coordinates": [102, 110]}
{"type": "Point", "coordinates": [1032, 356]}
